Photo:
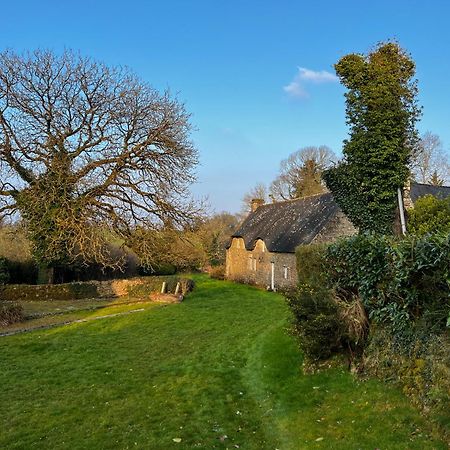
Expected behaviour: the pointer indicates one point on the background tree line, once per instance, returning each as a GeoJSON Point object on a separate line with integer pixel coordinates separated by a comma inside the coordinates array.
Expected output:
{"type": "Point", "coordinates": [300, 174]}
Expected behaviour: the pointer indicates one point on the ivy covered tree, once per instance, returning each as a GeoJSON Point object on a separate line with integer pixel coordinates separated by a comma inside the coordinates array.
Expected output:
{"type": "Point", "coordinates": [382, 111]}
{"type": "Point", "coordinates": [88, 151]}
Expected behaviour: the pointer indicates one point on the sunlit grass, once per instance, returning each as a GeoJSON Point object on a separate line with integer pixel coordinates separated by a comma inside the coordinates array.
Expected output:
{"type": "Point", "coordinates": [217, 371]}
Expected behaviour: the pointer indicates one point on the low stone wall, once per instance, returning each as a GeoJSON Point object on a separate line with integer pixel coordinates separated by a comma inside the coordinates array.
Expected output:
{"type": "Point", "coordinates": [133, 287]}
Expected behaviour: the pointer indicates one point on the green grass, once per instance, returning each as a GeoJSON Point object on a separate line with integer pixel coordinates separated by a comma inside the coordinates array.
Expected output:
{"type": "Point", "coordinates": [217, 371]}
{"type": "Point", "coordinates": [88, 312]}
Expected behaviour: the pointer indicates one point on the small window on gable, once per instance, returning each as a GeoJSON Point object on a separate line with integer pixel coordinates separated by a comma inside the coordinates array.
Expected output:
{"type": "Point", "coordinates": [254, 264]}
{"type": "Point", "coordinates": [250, 263]}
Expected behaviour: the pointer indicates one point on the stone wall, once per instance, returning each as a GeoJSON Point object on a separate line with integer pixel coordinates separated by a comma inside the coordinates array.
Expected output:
{"type": "Point", "coordinates": [133, 287]}
{"type": "Point", "coordinates": [255, 266]}
{"type": "Point", "coordinates": [339, 226]}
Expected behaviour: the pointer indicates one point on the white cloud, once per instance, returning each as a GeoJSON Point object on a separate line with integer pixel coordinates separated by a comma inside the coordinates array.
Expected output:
{"type": "Point", "coordinates": [296, 88]}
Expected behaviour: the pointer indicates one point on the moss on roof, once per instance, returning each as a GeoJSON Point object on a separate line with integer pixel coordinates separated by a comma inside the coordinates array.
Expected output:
{"type": "Point", "coordinates": [285, 225]}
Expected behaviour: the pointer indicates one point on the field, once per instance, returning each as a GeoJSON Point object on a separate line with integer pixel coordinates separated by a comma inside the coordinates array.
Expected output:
{"type": "Point", "coordinates": [216, 371]}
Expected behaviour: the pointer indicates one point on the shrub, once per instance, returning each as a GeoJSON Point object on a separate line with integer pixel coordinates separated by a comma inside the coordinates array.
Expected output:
{"type": "Point", "coordinates": [187, 285]}
{"type": "Point", "coordinates": [10, 313]}
{"type": "Point", "coordinates": [217, 272]}
{"type": "Point", "coordinates": [357, 265]}
{"type": "Point", "coordinates": [326, 320]}
{"type": "Point", "coordinates": [430, 215]}
{"type": "Point", "coordinates": [398, 282]}
{"type": "Point", "coordinates": [310, 264]}
{"type": "Point", "coordinates": [159, 269]}
{"type": "Point", "coordinates": [316, 322]}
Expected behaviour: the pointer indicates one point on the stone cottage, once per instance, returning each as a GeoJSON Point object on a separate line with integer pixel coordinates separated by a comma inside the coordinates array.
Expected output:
{"type": "Point", "coordinates": [414, 191]}
{"type": "Point", "coordinates": [262, 250]}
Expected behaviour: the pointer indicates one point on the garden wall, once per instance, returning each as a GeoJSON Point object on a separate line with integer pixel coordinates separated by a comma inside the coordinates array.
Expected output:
{"type": "Point", "coordinates": [134, 287]}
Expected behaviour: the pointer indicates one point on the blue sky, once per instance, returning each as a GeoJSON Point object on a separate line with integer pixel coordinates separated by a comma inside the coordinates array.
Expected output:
{"type": "Point", "coordinates": [236, 64]}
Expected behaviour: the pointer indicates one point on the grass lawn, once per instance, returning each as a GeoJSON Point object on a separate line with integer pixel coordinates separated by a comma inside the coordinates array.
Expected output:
{"type": "Point", "coordinates": [217, 371]}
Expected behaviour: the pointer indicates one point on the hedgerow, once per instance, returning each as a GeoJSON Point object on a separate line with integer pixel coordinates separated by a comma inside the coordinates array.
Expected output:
{"type": "Point", "coordinates": [398, 281]}
{"type": "Point", "coordinates": [385, 303]}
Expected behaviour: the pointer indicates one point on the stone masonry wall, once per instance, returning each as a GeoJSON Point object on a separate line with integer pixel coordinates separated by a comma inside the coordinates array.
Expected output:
{"type": "Point", "coordinates": [339, 226]}
{"type": "Point", "coordinates": [255, 266]}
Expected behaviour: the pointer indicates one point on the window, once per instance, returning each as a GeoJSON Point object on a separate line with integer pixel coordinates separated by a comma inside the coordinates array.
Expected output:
{"type": "Point", "coordinates": [254, 264]}
{"type": "Point", "coordinates": [286, 272]}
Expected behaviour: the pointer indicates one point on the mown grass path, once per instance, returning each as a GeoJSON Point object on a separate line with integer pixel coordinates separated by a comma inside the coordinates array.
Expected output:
{"type": "Point", "coordinates": [217, 371]}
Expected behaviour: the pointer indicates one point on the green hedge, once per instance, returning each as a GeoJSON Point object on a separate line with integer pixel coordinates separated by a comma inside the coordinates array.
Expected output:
{"type": "Point", "coordinates": [316, 320]}
{"type": "Point", "coordinates": [398, 281]}
{"type": "Point", "coordinates": [385, 301]}
{"type": "Point", "coordinates": [326, 322]}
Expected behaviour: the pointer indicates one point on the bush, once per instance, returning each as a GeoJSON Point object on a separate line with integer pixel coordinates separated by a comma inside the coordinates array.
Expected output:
{"type": "Point", "coordinates": [159, 269]}
{"type": "Point", "coordinates": [325, 321]}
{"type": "Point", "coordinates": [187, 285]}
{"type": "Point", "coordinates": [316, 322]}
{"type": "Point", "coordinates": [315, 312]}
{"type": "Point", "coordinates": [217, 272]}
{"type": "Point", "coordinates": [311, 264]}
{"type": "Point", "coordinates": [399, 282]}
{"type": "Point", "coordinates": [10, 313]}
{"type": "Point", "coordinates": [430, 215]}
{"type": "Point", "coordinates": [404, 286]}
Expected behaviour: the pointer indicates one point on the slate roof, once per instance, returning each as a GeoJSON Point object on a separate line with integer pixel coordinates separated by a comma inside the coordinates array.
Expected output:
{"type": "Point", "coordinates": [285, 225]}
{"type": "Point", "coordinates": [419, 190]}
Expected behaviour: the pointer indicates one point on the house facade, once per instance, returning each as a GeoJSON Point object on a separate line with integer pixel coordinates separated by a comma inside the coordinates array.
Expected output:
{"type": "Point", "coordinates": [262, 250]}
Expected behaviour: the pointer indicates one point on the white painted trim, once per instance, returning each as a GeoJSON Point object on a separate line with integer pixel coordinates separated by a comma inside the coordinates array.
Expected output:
{"type": "Point", "coordinates": [272, 276]}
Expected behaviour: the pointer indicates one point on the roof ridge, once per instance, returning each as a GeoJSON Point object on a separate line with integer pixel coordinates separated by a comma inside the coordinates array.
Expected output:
{"type": "Point", "coordinates": [429, 185]}
{"type": "Point", "coordinates": [290, 200]}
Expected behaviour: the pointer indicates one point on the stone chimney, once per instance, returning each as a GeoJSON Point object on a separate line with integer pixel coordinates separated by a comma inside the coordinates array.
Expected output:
{"type": "Point", "coordinates": [256, 203]}
{"type": "Point", "coordinates": [407, 201]}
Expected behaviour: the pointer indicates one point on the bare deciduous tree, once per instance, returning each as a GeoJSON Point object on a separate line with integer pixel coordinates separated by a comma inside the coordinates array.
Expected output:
{"type": "Point", "coordinates": [300, 173]}
{"type": "Point", "coordinates": [259, 191]}
{"type": "Point", "coordinates": [86, 150]}
{"type": "Point", "coordinates": [430, 163]}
